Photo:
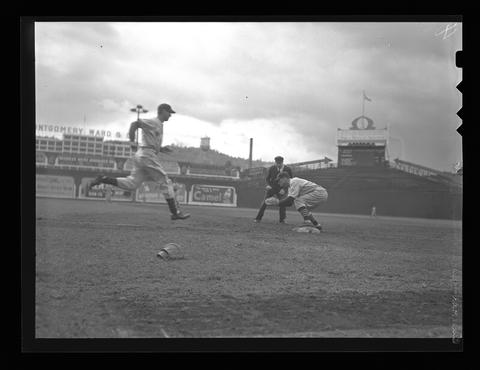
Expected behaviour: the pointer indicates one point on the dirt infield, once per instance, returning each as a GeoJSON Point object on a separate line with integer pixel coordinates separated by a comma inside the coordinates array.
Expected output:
{"type": "Point", "coordinates": [97, 274]}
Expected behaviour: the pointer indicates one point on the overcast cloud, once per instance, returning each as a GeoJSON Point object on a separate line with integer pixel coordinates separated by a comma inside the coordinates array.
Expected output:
{"type": "Point", "coordinates": [289, 86]}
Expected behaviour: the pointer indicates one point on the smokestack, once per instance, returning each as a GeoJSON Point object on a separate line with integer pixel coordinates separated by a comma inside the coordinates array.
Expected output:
{"type": "Point", "coordinates": [250, 155]}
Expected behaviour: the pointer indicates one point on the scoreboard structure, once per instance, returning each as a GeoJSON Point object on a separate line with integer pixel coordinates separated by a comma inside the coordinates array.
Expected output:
{"type": "Point", "coordinates": [362, 145]}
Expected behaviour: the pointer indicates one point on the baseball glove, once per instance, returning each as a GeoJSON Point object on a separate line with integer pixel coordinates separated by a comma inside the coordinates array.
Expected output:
{"type": "Point", "coordinates": [133, 146]}
{"type": "Point", "coordinates": [272, 201]}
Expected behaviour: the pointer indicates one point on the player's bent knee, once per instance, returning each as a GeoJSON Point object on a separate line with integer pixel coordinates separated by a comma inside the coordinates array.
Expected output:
{"type": "Point", "coordinates": [299, 204]}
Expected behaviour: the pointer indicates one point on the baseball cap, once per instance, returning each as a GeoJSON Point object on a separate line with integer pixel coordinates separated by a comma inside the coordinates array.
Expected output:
{"type": "Point", "coordinates": [167, 107]}
{"type": "Point", "coordinates": [283, 174]}
{"type": "Point", "coordinates": [279, 159]}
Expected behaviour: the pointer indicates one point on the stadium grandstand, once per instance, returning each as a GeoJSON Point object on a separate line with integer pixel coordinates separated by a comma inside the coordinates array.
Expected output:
{"type": "Point", "coordinates": [364, 177]}
{"type": "Point", "coordinates": [361, 178]}
{"type": "Point", "coordinates": [65, 166]}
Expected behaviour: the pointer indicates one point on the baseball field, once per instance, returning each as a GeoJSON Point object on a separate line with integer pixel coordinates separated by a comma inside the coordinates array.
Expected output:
{"type": "Point", "coordinates": [98, 274]}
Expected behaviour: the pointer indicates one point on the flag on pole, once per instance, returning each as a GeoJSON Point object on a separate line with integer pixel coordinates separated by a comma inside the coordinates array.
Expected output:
{"type": "Point", "coordinates": [366, 97]}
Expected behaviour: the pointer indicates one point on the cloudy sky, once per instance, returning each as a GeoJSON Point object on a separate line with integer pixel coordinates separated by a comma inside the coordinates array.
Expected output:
{"type": "Point", "coordinates": [289, 86]}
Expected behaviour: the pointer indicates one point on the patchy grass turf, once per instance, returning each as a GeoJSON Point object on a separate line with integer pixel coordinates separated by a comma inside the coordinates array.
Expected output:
{"type": "Point", "coordinates": [97, 274]}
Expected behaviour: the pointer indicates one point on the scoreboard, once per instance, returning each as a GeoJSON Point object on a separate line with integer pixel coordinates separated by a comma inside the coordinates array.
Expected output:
{"type": "Point", "coordinates": [362, 146]}
{"type": "Point", "coordinates": [361, 156]}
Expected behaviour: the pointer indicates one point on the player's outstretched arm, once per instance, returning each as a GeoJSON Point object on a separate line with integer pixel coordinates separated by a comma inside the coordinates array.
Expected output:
{"type": "Point", "coordinates": [131, 134]}
{"type": "Point", "coordinates": [133, 128]}
{"type": "Point", "coordinates": [268, 180]}
{"type": "Point", "coordinates": [288, 201]}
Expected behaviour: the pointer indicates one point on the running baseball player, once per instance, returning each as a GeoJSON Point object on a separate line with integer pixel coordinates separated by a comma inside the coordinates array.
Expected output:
{"type": "Point", "coordinates": [304, 194]}
{"type": "Point", "coordinates": [146, 164]}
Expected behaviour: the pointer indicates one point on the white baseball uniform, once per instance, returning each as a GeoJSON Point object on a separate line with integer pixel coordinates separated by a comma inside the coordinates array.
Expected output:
{"type": "Point", "coordinates": [146, 164]}
{"type": "Point", "coordinates": [306, 193]}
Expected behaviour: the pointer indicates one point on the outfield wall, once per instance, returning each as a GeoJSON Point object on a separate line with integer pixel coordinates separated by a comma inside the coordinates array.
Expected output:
{"type": "Point", "coordinates": [195, 190]}
{"type": "Point", "coordinates": [389, 200]}
{"type": "Point", "coordinates": [401, 203]}
{"type": "Point", "coordinates": [392, 193]}
{"type": "Point", "coordinates": [55, 186]}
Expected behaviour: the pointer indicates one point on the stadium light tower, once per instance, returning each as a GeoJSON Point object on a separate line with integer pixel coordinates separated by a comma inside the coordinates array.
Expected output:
{"type": "Point", "coordinates": [138, 109]}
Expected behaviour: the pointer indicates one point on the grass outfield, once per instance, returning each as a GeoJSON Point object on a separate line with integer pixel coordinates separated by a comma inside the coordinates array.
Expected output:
{"type": "Point", "coordinates": [97, 274]}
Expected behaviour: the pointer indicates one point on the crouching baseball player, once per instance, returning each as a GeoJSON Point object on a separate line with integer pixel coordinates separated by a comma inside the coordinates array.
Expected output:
{"type": "Point", "coordinates": [146, 164]}
{"type": "Point", "coordinates": [304, 194]}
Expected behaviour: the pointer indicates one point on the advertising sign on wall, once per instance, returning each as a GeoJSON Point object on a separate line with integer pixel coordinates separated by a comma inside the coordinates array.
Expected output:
{"type": "Point", "coordinates": [379, 137]}
{"type": "Point", "coordinates": [150, 192]}
{"type": "Point", "coordinates": [49, 129]}
{"type": "Point", "coordinates": [55, 186]}
{"type": "Point", "coordinates": [101, 191]}
{"type": "Point", "coordinates": [224, 196]}
{"type": "Point", "coordinates": [85, 161]}
{"type": "Point", "coordinates": [40, 158]}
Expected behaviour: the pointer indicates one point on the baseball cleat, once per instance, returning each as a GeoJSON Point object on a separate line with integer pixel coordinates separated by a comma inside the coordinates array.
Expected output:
{"type": "Point", "coordinates": [95, 182]}
{"type": "Point", "coordinates": [180, 216]}
{"type": "Point", "coordinates": [282, 222]}
{"type": "Point", "coordinates": [256, 220]}
{"type": "Point", "coordinates": [319, 227]}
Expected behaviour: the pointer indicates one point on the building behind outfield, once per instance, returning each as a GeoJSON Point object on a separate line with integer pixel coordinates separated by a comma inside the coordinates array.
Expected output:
{"type": "Point", "coordinates": [361, 178]}
{"type": "Point", "coordinates": [65, 166]}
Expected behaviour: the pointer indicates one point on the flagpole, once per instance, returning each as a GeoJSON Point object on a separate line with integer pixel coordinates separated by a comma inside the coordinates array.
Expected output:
{"type": "Point", "coordinates": [363, 103]}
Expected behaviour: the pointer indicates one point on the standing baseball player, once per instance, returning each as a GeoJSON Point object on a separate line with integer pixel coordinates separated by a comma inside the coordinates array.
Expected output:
{"type": "Point", "coordinates": [273, 188]}
{"type": "Point", "coordinates": [304, 194]}
{"type": "Point", "coordinates": [146, 164]}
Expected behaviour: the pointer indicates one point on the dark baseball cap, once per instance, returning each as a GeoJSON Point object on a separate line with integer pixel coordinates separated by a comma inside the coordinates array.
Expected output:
{"type": "Point", "coordinates": [166, 107]}
{"type": "Point", "coordinates": [279, 159]}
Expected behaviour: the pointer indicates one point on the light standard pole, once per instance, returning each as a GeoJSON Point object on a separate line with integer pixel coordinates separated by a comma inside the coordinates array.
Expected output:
{"type": "Point", "coordinates": [138, 109]}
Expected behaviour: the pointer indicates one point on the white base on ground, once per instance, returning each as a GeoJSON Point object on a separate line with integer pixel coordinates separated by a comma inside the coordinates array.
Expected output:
{"type": "Point", "coordinates": [306, 229]}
